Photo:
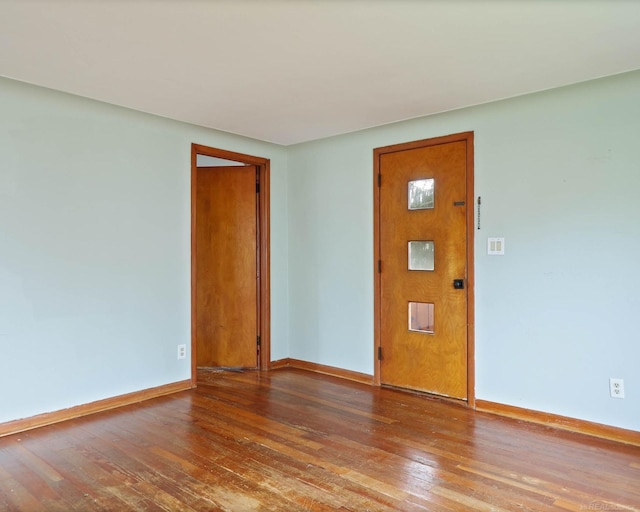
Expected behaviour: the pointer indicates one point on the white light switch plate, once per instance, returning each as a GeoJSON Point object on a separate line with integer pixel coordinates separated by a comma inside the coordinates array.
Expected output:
{"type": "Point", "coordinates": [495, 246]}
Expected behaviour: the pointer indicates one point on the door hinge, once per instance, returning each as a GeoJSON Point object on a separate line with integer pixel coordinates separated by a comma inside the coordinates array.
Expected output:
{"type": "Point", "coordinates": [257, 188]}
{"type": "Point", "coordinates": [379, 180]}
{"type": "Point", "coordinates": [379, 353]}
{"type": "Point", "coordinates": [379, 266]}
{"type": "Point", "coordinates": [258, 340]}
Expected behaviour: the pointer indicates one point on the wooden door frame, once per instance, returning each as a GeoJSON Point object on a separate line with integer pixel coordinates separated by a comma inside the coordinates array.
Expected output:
{"type": "Point", "coordinates": [264, 294]}
{"type": "Point", "coordinates": [377, 153]}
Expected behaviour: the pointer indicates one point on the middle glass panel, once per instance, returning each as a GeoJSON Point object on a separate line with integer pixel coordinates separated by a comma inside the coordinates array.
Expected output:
{"type": "Point", "coordinates": [421, 255]}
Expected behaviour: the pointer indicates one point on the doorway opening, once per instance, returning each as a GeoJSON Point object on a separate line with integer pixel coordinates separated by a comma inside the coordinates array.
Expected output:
{"type": "Point", "coordinates": [230, 282]}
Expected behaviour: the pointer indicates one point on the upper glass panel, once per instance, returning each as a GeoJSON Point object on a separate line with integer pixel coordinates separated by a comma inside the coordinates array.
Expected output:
{"type": "Point", "coordinates": [421, 255]}
{"type": "Point", "coordinates": [421, 194]}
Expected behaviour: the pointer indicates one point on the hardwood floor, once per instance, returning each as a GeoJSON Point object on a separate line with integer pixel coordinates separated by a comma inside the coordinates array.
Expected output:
{"type": "Point", "coordinates": [292, 440]}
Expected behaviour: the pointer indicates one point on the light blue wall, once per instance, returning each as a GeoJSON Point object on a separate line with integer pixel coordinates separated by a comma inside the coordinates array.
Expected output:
{"type": "Point", "coordinates": [95, 241]}
{"type": "Point", "coordinates": [559, 175]}
{"type": "Point", "coordinates": [95, 248]}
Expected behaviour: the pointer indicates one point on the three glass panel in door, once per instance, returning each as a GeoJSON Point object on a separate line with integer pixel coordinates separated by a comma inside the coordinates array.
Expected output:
{"type": "Point", "coordinates": [421, 196]}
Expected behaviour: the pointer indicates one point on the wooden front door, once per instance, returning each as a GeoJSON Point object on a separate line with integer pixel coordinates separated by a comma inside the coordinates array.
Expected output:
{"type": "Point", "coordinates": [424, 217]}
{"type": "Point", "coordinates": [227, 267]}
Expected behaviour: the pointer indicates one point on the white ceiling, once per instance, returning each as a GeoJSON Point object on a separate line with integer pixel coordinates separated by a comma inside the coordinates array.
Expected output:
{"type": "Point", "coordinates": [288, 71]}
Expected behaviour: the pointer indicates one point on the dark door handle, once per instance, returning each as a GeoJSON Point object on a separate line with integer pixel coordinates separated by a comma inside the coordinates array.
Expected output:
{"type": "Point", "coordinates": [458, 284]}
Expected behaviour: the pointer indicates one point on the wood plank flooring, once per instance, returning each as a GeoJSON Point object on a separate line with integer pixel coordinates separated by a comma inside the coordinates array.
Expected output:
{"type": "Point", "coordinates": [297, 441]}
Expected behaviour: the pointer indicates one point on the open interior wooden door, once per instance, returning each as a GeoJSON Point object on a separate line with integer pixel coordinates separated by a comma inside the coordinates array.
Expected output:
{"type": "Point", "coordinates": [230, 259]}
{"type": "Point", "coordinates": [227, 267]}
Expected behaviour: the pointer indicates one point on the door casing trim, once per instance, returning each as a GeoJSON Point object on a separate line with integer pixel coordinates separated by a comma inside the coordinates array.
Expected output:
{"type": "Point", "coordinates": [377, 153]}
{"type": "Point", "coordinates": [264, 295]}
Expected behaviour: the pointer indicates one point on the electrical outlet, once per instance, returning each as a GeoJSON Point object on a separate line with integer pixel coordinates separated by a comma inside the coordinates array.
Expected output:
{"type": "Point", "coordinates": [182, 351]}
{"type": "Point", "coordinates": [616, 388]}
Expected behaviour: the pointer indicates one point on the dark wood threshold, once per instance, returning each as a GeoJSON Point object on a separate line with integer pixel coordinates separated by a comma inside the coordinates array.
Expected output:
{"type": "Point", "coordinates": [49, 418]}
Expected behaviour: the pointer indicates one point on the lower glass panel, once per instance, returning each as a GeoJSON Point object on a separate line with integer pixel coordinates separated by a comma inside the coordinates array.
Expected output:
{"type": "Point", "coordinates": [421, 317]}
